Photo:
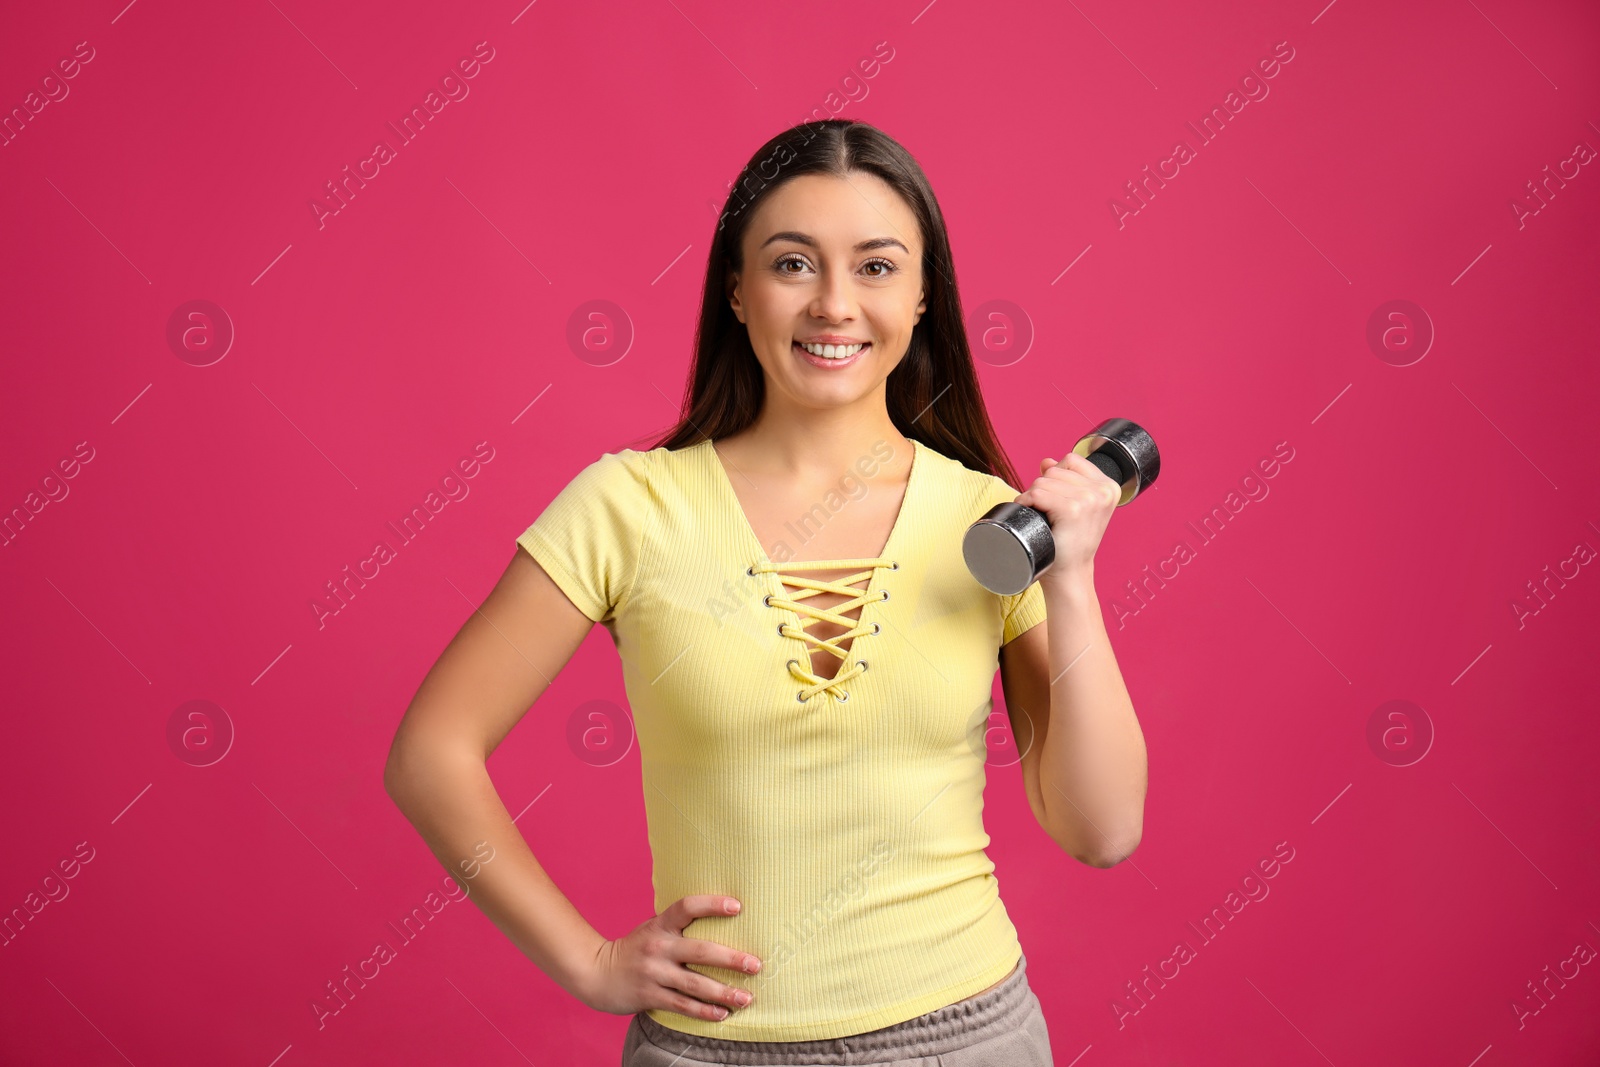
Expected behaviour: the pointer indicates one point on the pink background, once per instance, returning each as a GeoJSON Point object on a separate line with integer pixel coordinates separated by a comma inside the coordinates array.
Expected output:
{"type": "Point", "coordinates": [1384, 562]}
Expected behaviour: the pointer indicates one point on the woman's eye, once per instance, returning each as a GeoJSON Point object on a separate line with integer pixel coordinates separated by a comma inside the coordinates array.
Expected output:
{"type": "Point", "coordinates": [888, 268]}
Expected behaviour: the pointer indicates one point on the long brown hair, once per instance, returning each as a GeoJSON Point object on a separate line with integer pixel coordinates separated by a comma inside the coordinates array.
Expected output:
{"type": "Point", "coordinates": [933, 393]}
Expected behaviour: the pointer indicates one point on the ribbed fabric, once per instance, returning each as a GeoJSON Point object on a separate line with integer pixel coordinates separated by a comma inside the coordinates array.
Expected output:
{"type": "Point", "coordinates": [849, 824]}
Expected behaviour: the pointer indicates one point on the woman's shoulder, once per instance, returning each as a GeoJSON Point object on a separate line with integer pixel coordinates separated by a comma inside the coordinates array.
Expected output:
{"type": "Point", "coordinates": [961, 484]}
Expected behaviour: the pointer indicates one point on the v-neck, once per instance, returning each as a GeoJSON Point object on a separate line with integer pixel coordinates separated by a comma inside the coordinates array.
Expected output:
{"type": "Point", "coordinates": [900, 519]}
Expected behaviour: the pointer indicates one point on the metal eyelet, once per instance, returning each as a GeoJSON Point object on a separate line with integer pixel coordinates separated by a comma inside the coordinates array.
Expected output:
{"type": "Point", "coordinates": [863, 665]}
{"type": "Point", "coordinates": [767, 600]}
{"type": "Point", "coordinates": [885, 595]}
{"type": "Point", "coordinates": [801, 697]}
{"type": "Point", "coordinates": [894, 566]}
{"type": "Point", "coordinates": [843, 697]}
{"type": "Point", "coordinates": [781, 625]}
{"type": "Point", "coordinates": [750, 570]}
{"type": "Point", "coordinates": [876, 628]}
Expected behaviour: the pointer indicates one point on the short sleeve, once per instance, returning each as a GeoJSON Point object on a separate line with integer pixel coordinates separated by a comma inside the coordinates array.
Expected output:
{"type": "Point", "coordinates": [589, 539]}
{"type": "Point", "coordinates": [1022, 611]}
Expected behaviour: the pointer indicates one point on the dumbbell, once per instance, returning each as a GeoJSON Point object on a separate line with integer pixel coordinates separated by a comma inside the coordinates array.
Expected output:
{"type": "Point", "coordinates": [1011, 545]}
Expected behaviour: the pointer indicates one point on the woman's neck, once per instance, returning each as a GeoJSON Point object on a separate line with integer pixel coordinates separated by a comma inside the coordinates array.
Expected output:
{"type": "Point", "coordinates": [815, 450]}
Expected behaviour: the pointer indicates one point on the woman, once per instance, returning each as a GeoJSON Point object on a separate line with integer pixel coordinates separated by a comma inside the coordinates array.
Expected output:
{"type": "Point", "coordinates": [808, 662]}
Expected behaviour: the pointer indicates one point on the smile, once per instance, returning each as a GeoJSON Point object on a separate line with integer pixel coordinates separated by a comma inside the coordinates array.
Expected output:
{"type": "Point", "coordinates": [831, 356]}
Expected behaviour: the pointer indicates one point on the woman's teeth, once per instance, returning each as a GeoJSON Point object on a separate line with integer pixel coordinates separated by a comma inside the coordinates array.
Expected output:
{"type": "Point", "coordinates": [832, 351]}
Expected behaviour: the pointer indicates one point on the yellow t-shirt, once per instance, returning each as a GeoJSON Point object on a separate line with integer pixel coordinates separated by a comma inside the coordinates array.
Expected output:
{"type": "Point", "coordinates": [848, 824]}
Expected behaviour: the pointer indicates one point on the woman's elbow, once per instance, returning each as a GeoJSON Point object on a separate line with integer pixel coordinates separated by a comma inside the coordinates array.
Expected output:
{"type": "Point", "coordinates": [1107, 856]}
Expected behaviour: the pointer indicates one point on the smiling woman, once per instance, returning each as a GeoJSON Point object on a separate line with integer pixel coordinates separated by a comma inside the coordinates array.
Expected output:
{"type": "Point", "coordinates": [839, 323]}
{"type": "Point", "coordinates": [812, 770]}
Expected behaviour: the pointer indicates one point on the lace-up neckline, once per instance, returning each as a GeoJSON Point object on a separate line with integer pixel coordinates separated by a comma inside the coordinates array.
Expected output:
{"type": "Point", "coordinates": [804, 588]}
{"type": "Point", "coordinates": [859, 627]}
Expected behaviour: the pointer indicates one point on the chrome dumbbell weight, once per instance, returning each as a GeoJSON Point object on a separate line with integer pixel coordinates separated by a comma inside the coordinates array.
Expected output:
{"type": "Point", "coordinates": [1011, 545]}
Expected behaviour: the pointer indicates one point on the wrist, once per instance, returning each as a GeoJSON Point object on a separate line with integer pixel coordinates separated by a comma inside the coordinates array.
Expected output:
{"type": "Point", "coordinates": [1072, 583]}
{"type": "Point", "coordinates": [575, 970]}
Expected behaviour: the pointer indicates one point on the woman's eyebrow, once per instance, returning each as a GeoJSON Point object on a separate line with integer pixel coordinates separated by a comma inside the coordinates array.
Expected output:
{"type": "Point", "coordinates": [808, 240]}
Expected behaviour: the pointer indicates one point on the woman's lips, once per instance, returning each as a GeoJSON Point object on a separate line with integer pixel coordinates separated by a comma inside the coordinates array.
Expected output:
{"type": "Point", "coordinates": [830, 364]}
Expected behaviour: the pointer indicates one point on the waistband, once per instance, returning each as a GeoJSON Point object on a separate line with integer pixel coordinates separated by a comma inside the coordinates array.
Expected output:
{"type": "Point", "coordinates": [940, 1031]}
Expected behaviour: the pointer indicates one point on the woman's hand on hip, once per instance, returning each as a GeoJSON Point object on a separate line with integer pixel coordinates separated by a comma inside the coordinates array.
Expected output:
{"type": "Point", "coordinates": [645, 970]}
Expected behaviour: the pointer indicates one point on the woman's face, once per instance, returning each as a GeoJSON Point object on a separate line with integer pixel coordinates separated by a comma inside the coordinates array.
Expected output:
{"type": "Point", "coordinates": [830, 259]}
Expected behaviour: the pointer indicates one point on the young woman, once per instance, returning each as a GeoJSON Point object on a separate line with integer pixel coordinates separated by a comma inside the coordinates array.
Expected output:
{"type": "Point", "coordinates": [808, 662]}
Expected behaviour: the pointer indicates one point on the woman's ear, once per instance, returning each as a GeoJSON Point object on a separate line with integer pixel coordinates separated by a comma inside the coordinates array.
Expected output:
{"type": "Point", "coordinates": [922, 306]}
{"type": "Point", "coordinates": [731, 291]}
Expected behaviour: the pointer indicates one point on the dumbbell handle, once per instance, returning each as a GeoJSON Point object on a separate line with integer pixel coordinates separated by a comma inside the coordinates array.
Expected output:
{"type": "Point", "coordinates": [1012, 545]}
{"type": "Point", "coordinates": [1108, 465]}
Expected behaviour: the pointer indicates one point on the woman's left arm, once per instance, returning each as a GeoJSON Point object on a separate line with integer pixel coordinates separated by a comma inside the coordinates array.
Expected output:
{"type": "Point", "coordinates": [1084, 765]}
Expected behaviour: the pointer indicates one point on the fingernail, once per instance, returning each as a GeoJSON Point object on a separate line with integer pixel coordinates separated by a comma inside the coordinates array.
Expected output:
{"type": "Point", "coordinates": [751, 964]}
{"type": "Point", "coordinates": [742, 997]}
{"type": "Point", "coordinates": [722, 1013]}
{"type": "Point", "coordinates": [732, 907]}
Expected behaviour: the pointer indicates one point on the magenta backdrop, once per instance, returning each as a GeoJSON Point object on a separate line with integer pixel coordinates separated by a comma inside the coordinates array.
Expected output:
{"type": "Point", "coordinates": [1378, 661]}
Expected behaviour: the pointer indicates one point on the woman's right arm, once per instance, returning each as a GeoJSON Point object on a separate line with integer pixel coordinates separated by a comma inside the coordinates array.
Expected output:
{"type": "Point", "coordinates": [486, 679]}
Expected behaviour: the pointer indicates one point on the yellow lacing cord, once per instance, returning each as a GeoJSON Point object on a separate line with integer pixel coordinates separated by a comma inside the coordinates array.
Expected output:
{"type": "Point", "coordinates": [815, 683]}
